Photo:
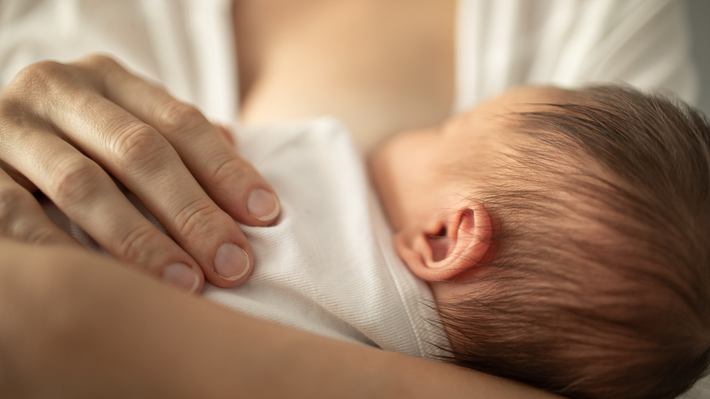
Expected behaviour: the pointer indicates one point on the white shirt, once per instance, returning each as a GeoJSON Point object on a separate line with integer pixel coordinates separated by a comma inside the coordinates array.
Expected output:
{"type": "Point", "coordinates": [188, 45]}
{"type": "Point", "coordinates": [505, 43]}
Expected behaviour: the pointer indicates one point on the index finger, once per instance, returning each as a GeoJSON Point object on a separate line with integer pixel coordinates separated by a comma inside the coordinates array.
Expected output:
{"type": "Point", "coordinates": [230, 180]}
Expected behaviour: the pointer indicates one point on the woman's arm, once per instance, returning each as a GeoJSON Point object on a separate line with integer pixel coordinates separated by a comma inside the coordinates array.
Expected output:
{"type": "Point", "coordinates": [77, 325]}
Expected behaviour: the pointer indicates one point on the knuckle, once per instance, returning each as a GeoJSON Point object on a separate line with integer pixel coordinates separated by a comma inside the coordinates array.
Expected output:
{"type": "Point", "coordinates": [75, 182]}
{"type": "Point", "coordinates": [230, 169]}
{"type": "Point", "coordinates": [137, 144]}
{"type": "Point", "coordinates": [138, 243]}
{"type": "Point", "coordinates": [43, 69]}
{"type": "Point", "coordinates": [99, 61]}
{"type": "Point", "coordinates": [39, 76]}
{"type": "Point", "coordinates": [193, 219]}
{"type": "Point", "coordinates": [176, 116]}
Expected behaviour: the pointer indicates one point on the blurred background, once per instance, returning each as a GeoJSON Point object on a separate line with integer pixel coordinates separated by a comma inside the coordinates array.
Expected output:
{"type": "Point", "coordinates": [700, 25]}
{"type": "Point", "coordinates": [699, 13]}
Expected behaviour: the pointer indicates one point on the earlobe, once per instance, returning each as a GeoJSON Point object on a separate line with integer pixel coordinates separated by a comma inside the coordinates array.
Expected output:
{"type": "Point", "coordinates": [458, 243]}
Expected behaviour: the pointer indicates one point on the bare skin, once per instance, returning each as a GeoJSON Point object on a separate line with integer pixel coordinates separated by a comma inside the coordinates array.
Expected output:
{"type": "Point", "coordinates": [68, 129]}
{"type": "Point", "coordinates": [380, 67]}
{"type": "Point", "coordinates": [379, 76]}
{"type": "Point", "coordinates": [96, 341]}
{"type": "Point", "coordinates": [66, 345]}
{"type": "Point", "coordinates": [422, 196]}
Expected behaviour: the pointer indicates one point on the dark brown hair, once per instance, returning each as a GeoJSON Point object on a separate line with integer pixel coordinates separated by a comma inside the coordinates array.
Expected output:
{"type": "Point", "coordinates": [600, 286]}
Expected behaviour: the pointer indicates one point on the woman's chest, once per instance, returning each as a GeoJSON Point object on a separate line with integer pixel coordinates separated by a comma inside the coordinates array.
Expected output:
{"type": "Point", "coordinates": [378, 66]}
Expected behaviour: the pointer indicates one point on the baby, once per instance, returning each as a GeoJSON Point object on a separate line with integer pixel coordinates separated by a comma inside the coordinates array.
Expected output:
{"type": "Point", "coordinates": [565, 236]}
{"type": "Point", "coordinates": [556, 237]}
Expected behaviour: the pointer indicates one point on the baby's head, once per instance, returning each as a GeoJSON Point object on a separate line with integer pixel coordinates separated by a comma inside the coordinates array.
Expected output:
{"type": "Point", "coordinates": [565, 236]}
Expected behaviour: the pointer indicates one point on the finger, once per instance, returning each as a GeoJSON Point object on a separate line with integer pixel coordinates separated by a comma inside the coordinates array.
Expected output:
{"type": "Point", "coordinates": [231, 181]}
{"type": "Point", "coordinates": [88, 196]}
{"type": "Point", "coordinates": [227, 134]}
{"type": "Point", "coordinates": [23, 219]}
{"type": "Point", "coordinates": [21, 180]}
{"type": "Point", "coordinates": [141, 158]}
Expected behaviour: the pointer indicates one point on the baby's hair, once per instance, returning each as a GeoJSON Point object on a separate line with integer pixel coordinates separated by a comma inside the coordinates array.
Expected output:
{"type": "Point", "coordinates": [600, 285]}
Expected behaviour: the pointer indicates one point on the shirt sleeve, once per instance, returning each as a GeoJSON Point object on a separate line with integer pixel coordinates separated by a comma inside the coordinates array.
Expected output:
{"type": "Point", "coordinates": [186, 45]}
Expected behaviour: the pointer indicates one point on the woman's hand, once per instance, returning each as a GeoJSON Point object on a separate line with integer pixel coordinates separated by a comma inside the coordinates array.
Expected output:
{"type": "Point", "coordinates": [68, 129]}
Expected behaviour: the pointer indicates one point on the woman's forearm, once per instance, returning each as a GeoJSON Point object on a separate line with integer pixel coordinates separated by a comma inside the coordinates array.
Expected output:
{"type": "Point", "coordinates": [106, 331]}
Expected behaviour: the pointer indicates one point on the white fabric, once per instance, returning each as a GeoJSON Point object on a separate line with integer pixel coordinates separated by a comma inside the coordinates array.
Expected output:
{"type": "Point", "coordinates": [505, 43]}
{"type": "Point", "coordinates": [188, 44]}
{"type": "Point", "coordinates": [328, 266]}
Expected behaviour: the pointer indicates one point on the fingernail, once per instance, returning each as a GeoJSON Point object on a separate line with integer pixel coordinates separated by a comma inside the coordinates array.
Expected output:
{"type": "Point", "coordinates": [263, 205]}
{"type": "Point", "coordinates": [182, 276]}
{"type": "Point", "coordinates": [231, 262]}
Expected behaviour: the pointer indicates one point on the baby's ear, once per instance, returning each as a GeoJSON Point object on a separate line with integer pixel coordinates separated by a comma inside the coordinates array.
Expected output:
{"type": "Point", "coordinates": [458, 243]}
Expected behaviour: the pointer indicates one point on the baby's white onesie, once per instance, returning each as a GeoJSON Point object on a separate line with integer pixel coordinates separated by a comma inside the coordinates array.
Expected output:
{"type": "Point", "coordinates": [328, 266]}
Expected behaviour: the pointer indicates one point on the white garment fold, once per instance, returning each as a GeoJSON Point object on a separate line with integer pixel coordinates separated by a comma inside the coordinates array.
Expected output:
{"type": "Point", "coordinates": [328, 266]}
{"type": "Point", "coordinates": [189, 47]}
